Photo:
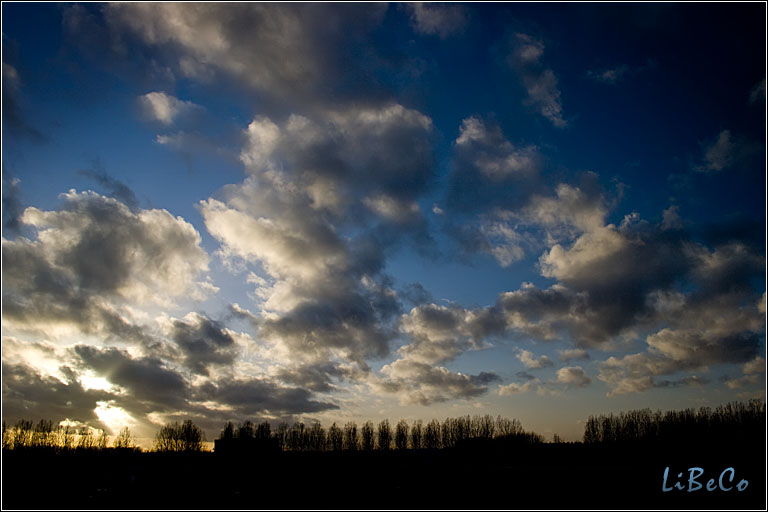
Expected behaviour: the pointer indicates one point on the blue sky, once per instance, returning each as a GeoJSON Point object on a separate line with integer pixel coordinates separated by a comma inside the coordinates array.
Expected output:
{"type": "Point", "coordinates": [339, 212]}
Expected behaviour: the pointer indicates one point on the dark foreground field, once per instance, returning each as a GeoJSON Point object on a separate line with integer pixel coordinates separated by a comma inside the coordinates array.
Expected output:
{"type": "Point", "coordinates": [475, 476]}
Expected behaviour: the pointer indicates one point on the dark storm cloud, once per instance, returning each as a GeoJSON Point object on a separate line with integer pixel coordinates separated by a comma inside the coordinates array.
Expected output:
{"type": "Point", "coordinates": [440, 333]}
{"type": "Point", "coordinates": [524, 376]}
{"type": "Point", "coordinates": [575, 354]}
{"type": "Point", "coordinates": [14, 118]}
{"type": "Point", "coordinates": [730, 152]}
{"type": "Point", "coordinates": [35, 293]}
{"type": "Point", "coordinates": [437, 19]}
{"type": "Point", "coordinates": [327, 200]}
{"type": "Point", "coordinates": [259, 397]}
{"type": "Point", "coordinates": [88, 257]}
{"type": "Point", "coordinates": [573, 377]}
{"type": "Point", "coordinates": [614, 281]}
{"type": "Point", "coordinates": [355, 149]}
{"type": "Point", "coordinates": [349, 319]}
{"type": "Point", "coordinates": [685, 381]}
{"type": "Point", "coordinates": [539, 80]}
{"type": "Point", "coordinates": [416, 294]}
{"type": "Point", "coordinates": [421, 383]}
{"type": "Point", "coordinates": [29, 395]}
{"type": "Point", "coordinates": [757, 93]}
{"type": "Point", "coordinates": [305, 52]}
{"type": "Point", "coordinates": [149, 385]}
{"type": "Point", "coordinates": [484, 378]}
{"type": "Point", "coordinates": [490, 181]}
{"type": "Point", "coordinates": [204, 342]}
{"type": "Point", "coordinates": [488, 170]}
{"type": "Point", "coordinates": [697, 342]}
{"type": "Point", "coordinates": [146, 379]}
{"type": "Point", "coordinates": [610, 76]}
{"type": "Point", "coordinates": [316, 377]}
{"type": "Point", "coordinates": [111, 186]}
{"type": "Point", "coordinates": [12, 206]}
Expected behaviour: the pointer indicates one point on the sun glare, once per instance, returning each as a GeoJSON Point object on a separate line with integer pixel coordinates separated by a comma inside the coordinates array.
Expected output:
{"type": "Point", "coordinates": [115, 418]}
{"type": "Point", "coordinates": [93, 382]}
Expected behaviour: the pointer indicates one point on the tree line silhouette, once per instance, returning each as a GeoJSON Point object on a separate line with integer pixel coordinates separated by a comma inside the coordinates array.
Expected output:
{"type": "Point", "coordinates": [43, 435]}
{"type": "Point", "coordinates": [735, 420]}
{"type": "Point", "coordinates": [433, 435]}
{"type": "Point", "coordinates": [732, 421]}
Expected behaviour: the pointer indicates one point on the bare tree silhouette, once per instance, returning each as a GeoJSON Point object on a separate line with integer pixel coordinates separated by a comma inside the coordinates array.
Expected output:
{"type": "Point", "coordinates": [124, 439]}
{"type": "Point", "coordinates": [507, 427]}
{"type": "Point", "coordinates": [246, 430]}
{"type": "Point", "coordinates": [350, 436]}
{"type": "Point", "coordinates": [366, 436]}
{"type": "Point", "coordinates": [317, 438]}
{"type": "Point", "coordinates": [417, 432]}
{"type": "Point", "coordinates": [482, 427]}
{"type": "Point", "coordinates": [86, 439]}
{"type": "Point", "coordinates": [282, 436]}
{"type": "Point", "coordinates": [175, 437]}
{"type": "Point", "coordinates": [228, 432]}
{"type": "Point", "coordinates": [102, 440]}
{"type": "Point", "coordinates": [384, 435]}
{"type": "Point", "coordinates": [729, 421]}
{"type": "Point", "coordinates": [401, 435]}
{"type": "Point", "coordinates": [335, 438]}
{"type": "Point", "coordinates": [298, 437]}
{"type": "Point", "coordinates": [432, 435]}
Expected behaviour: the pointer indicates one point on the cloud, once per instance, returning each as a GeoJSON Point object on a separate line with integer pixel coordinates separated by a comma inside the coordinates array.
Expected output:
{"type": "Point", "coordinates": [756, 365]}
{"type": "Point", "coordinates": [204, 342]}
{"type": "Point", "coordinates": [530, 361]}
{"type": "Point", "coordinates": [614, 282]}
{"type": "Point", "coordinates": [610, 76]}
{"type": "Point", "coordinates": [324, 201]}
{"type": "Point", "coordinates": [145, 379]}
{"type": "Point", "coordinates": [575, 354]}
{"type": "Point", "coordinates": [489, 173]}
{"type": "Point", "coordinates": [436, 19]}
{"type": "Point", "coordinates": [148, 390]}
{"type": "Point", "coordinates": [671, 218]}
{"type": "Point", "coordinates": [671, 351]}
{"type": "Point", "coordinates": [539, 81]}
{"type": "Point", "coordinates": [570, 211]}
{"type": "Point", "coordinates": [573, 376]}
{"type": "Point", "coordinates": [757, 93]}
{"type": "Point", "coordinates": [28, 394]}
{"type": "Point", "coordinates": [164, 108]}
{"type": "Point", "coordinates": [491, 154]}
{"type": "Point", "coordinates": [12, 206]}
{"type": "Point", "coordinates": [421, 383]}
{"type": "Point", "coordinates": [295, 53]}
{"type": "Point", "coordinates": [91, 258]}
{"type": "Point", "coordinates": [113, 187]}
{"type": "Point", "coordinates": [416, 294]}
{"type": "Point", "coordinates": [696, 349]}
{"type": "Point", "coordinates": [515, 388]}
{"type": "Point", "coordinates": [720, 154]}
{"type": "Point", "coordinates": [440, 333]}
{"type": "Point", "coordinates": [14, 118]}
{"type": "Point", "coordinates": [317, 377]}
{"type": "Point", "coordinates": [260, 397]}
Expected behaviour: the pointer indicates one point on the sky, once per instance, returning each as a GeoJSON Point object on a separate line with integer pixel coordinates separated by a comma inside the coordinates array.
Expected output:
{"type": "Point", "coordinates": [342, 212]}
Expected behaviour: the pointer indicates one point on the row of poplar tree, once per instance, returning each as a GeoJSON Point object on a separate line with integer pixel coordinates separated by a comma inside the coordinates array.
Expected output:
{"type": "Point", "coordinates": [734, 420]}
{"type": "Point", "coordinates": [45, 435]}
{"type": "Point", "coordinates": [188, 437]}
{"type": "Point", "coordinates": [382, 436]}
